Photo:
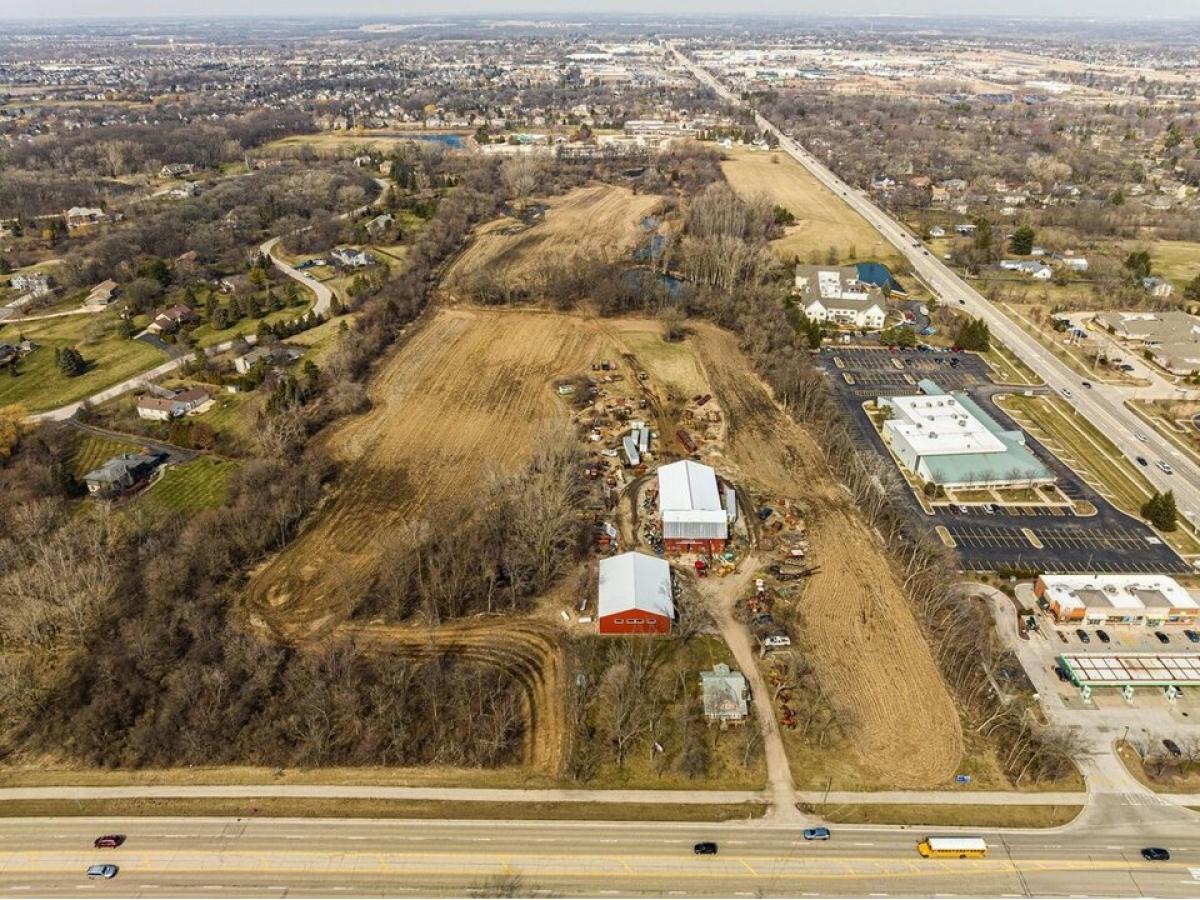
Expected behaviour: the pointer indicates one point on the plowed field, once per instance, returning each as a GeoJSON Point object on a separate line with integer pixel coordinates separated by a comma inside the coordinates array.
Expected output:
{"type": "Point", "coordinates": [467, 395]}
{"type": "Point", "coordinates": [866, 645]}
{"type": "Point", "coordinates": [597, 221]}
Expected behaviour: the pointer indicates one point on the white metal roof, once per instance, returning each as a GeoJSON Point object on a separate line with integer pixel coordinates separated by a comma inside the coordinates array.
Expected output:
{"type": "Point", "coordinates": [1134, 592]}
{"type": "Point", "coordinates": [687, 485]}
{"type": "Point", "coordinates": [1120, 669]}
{"type": "Point", "coordinates": [635, 581]}
{"type": "Point", "coordinates": [939, 425]}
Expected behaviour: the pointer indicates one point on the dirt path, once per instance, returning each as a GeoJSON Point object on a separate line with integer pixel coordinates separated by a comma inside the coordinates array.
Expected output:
{"type": "Point", "coordinates": [867, 648]}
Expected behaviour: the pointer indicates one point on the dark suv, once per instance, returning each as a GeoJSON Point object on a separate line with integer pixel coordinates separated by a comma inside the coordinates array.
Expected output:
{"type": "Point", "coordinates": [705, 848]}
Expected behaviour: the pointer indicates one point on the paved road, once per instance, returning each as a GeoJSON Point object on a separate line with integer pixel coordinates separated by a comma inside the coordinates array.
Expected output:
{"type": "Point", "coordinates": [1103, 405]}
{"type": "Point", "coordinates": [277, 858]}
{"type": "Point", "coordinates": [324, 294]}
{"type": "Point", "coordinates": [129, 384]}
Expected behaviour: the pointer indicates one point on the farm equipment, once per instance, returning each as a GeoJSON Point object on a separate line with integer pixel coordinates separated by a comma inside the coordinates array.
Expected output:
{"type": "Point", "coordinates": [701, 568]}
{"type": "Point", "coordinates": [687, 440]}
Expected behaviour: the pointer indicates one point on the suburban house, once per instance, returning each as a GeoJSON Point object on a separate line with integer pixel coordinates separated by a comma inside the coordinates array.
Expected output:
{"type": "Point", "coordinates": [836, 295]}
{"type": "Point", "coordinates": [82, 216]}
{"type": "Point", "coordinates": [635, 595]}
{"type": "Point", "coordinates": [948, 440]}
{"type": "Point", "coordinates": [163, 409]}
{"type": "Point", "coordinates": [380, 224]}
{"type": "Point", "coordinates": [1117, 599]}
{"type": "Point", "coordinates": [726, 695]}
{"type": "Point", "coordinates": [1074, 263]}
{"type": "Point", "coordinates": [1171, 338]}
{"type": "Point", "coordinates": [1157, 287]}
{"type": "Point", "coordinates": [36, 283]}
{"type": "Point", "coordinates": [280, 355]}
{"type": "Point", "coordinates": [170, 319]}
{"type": "Point", "coordinates": [101, 295]}
{"type": "Point", "coordinates": [350, 258]}
{"type": "Point", "coordinates": [122, 472]}
{"type": "Point", "coordinates": [937, 231]}
{"type": "Point", "coordinates": [694, 520]}
{"type": "Point", "coordinates": [1031, 267]}
{"type": "Point", "coordinates": [174, 170]}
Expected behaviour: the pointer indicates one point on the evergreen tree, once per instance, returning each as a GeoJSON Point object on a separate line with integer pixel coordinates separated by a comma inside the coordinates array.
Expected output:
{"type": "Point", "coordinates": [1021, 242]}
{"type": "Point", "coordinates": [70, 362]}
{"type": "Point", "coordinates": [1160, 511]}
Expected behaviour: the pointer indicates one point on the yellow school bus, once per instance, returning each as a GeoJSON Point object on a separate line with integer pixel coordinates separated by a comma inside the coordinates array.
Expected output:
{"type": "Point", "coordinates": [953, 847]}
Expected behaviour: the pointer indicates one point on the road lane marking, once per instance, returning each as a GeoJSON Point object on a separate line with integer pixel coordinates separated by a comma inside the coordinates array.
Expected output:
{"type": "Point", "coordinates": [748, 868]}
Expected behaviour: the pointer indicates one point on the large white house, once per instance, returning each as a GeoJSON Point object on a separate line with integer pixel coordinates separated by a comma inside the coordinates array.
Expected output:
{"type": "Point", "coordinates": [835, 295]}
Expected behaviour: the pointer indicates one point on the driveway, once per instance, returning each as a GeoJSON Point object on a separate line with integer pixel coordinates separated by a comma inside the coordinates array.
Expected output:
{"type": "Point", "coordinates": [324, 294]}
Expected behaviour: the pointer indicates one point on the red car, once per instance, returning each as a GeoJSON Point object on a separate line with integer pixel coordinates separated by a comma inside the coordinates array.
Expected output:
{"type": "Point", "coordinates": [109, 840]}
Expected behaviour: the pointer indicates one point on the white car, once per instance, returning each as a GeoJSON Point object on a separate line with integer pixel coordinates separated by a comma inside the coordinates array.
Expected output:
{"type": "Point", "coordinates": [1141, 437]}
{"type": "Point", "coordinates": [105, 870]}
{"type": "Point", "coordinates": [1164, 466]}
{"type": "Point", "coordinates": [1066, 392]}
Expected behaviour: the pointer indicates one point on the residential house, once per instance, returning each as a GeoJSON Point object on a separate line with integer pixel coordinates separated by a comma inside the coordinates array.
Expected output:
{"type": "Point", "coordinates": [350, 258]}
{"type": "Point", "coordinates": [175, 170]}
{"type": "Point", "coordinates": [1157, 287]}
{"type": "Point", "coordinates": [635, 595]}
{"type": "Point", "coordinates": [1075, 263]}
{"type": "Point", "coordinates": [101, 295]}
{"type": "Point", "coordinates": [122, 472]}
{"type": "Point", "coordinates": [36, 283]}
{"type": "Point", "coordinates": [836, 295]}
{"type": "Point", "coordinates": [172, 319]}
{"type": "Point", "coordinates": [937, 231]}
{"type": "Point", "coordinates": [163, 409]}
{"type": "Point", "coordinates": [82, 216]}
{"type": "Point", "coordinates": [726, 695]}
{"type": "Point", "coordinates": [380, 224]}
{"type": "Point", "coordinates": [278, 355]}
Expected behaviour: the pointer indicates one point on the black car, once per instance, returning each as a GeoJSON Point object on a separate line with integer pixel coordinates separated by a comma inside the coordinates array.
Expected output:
{"type": "Point", "coordinates": [1192, 635]}
{"type": "Point", "coordinates": [1043, 604]}
{"type": "Point", "coordinates": [1172, 747]}
{"type": "Point", "coordinates": [1061, 673]}
{"type": "Point", "coordinates": [1086, 384]}
{"type": "Point", "coordinates": [1156, 854]}
{"type": "Point", "coordinates": [1162, 638]}
{"type": "Point", "coordinates": [1141, 461]}
{"type": "Point", "coordinates": [707, 848]}
{"type": "Point", "coordinates": [1103, 635]}
{"type": "Point", "coordinates": [1084, 637]}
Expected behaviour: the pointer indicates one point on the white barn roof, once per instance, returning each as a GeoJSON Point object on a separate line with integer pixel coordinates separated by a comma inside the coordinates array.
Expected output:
{"type": "Point", "coordinates": [690, 503]}
{"type": "Point", "coordinates": [635, 581]}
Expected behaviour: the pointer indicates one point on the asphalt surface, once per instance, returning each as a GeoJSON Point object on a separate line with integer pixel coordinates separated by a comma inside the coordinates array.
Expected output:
{"type": "Point", "coordinates": [1110, 540]}
{"type": "Point", "coordinates": [278, 858]}
{"type": "Point", "coordinates": [323, 294]}
{"type": "Point", "coordinates": [1103, 404]}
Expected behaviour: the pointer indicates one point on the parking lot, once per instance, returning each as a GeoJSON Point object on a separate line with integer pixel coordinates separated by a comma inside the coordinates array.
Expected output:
{"type": "Point", "coordinates": [1110, 540]}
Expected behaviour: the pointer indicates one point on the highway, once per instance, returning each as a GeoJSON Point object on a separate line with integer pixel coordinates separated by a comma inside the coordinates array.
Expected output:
{"type": "Point", "coordinates": [284, 857]}
{"type": "Point", "coordinates": [1102, 404]}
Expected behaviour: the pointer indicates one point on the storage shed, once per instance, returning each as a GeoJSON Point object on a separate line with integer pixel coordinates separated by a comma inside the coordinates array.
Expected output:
{"type": "Point", "coordinates": [694, 519]}
{"type": "Point", "coordinates": [635, 595]}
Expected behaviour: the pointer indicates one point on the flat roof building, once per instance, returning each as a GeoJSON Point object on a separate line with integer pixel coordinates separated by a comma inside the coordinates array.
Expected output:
{"type": "Point", "coordinates": [947, 439]}
{"type": "Point", "coordinates": [694, 518]}
{"type": "Point", "coordinates": [1172, 338]}
{"type": "Point", "coordinates": [1117, 599]}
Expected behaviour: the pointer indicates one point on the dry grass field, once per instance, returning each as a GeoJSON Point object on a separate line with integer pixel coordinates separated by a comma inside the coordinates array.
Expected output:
{"type": "Point", "coordinates": [466, 395]}
{"type": "Point", "coordinates": [597, 221]}
{"type": "Point", "coordinates": [866, 645]}
{"type": "Point", "coordinates": [823, 220]}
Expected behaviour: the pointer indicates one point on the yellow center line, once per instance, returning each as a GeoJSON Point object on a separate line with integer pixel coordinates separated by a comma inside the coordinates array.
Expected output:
{"type": "Point", "coordinates": [747, 865]}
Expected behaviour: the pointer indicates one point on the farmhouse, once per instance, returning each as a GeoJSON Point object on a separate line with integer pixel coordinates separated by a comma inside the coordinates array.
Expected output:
{"type": "Point", "coordinates": [726, 695]}
{"type": "Point", "coordinates": [122, 472]}
{"type": "Point", "coordinates": [694, 520]}
{"type": "Point", "coordinates": [1116, 599]}
{"type": "Point", "coordinates": [1171, 338]}
{"type": "Point", "coordinates": [635, 595]}
{"type": "Point", "coordinates": [948, 440]}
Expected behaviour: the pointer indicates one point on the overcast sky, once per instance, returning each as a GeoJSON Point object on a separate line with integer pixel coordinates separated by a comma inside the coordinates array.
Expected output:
{"type": "Point", "coordinates": [67, 9]}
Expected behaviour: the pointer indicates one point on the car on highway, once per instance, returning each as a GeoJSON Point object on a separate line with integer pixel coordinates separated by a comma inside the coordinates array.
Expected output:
{"type": "Point", "coordinates": [1162, 638]}
{"type": "Point", "coordinates": [1066, 392]}
{"type": "Point", "coordinates": [1165, 466]}
{"type": "Point", "coordinates": [1192, 635]}
{"type": "Point", "coordinates": [1156, 854]}
{"type": "Point", "coordinates": [705, 848]}
{"type": "Point", "coordinates": [1084, 637]}
{"type": "Point", "coordinates": [1172, 747]}
{"type": "Point", "coordinates": [1142, 461]}
{"type": "Point", "coordinates": [102, 870]}
{"type": "Point", "coordinates": [1141, 437]}
{"type": "Point", "coordinates": [816, 834]}
{"type": "Point", "coordinates": [1086, 384]}
{"type": "Point", "coordinates": [1103, 635]}
{"type": "Point", "coordinates": [108, 840]}
{"type": "Point", "coordinates": [962, 302]}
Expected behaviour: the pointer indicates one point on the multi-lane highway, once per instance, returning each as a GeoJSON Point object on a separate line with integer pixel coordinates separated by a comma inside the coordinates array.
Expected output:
{"type": "Point", "coordinates": [276, 858]}
{"type": "Point", "coordinates": [1102, 404]}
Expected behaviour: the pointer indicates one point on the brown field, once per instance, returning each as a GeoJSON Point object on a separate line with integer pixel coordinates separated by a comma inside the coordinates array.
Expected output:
{"type": "Point", "coordinates": [822, 219]}
{"type": "Point", "coordinates": [597, 221]}
{"type": "Point", "coordinates": [466, 396]}
{"type": "Point", "coordinates": [866, 645]}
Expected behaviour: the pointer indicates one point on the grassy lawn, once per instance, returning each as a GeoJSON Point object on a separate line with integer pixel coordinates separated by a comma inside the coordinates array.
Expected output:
{"type": "Point", "coordinates": [334, 807]}
{"type": "Point", "coordinates": [111, 359]}
{"type": "Point", "coordinates": [1177, 261]}
{"type": "Point", "coordinates": [322, 339]}
{"type": "Point", "coordinates": [235, 417]}
{"type": "Point", "coordinates": [1082, 447]}
{"type": "Point", "coordinates": [199, 484]}
{"type": "Point", "coordinates": [1008, 368]}
{"type": "Point", "coordinates": [91, 452]}
{"type": "Point", "coordinates": [1170, 780]}
{"type": "Point", "coordinates": [1016, 815]}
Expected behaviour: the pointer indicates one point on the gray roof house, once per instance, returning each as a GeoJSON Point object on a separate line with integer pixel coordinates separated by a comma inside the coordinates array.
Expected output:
{"type": "Point", "coordinates": [122, 472]}
{"type": "Point", "coordinates": [726, 695]}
